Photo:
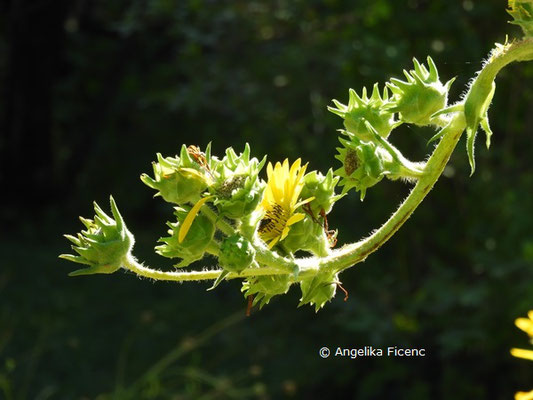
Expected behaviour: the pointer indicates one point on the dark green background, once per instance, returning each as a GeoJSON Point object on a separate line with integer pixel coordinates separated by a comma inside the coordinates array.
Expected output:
{"type": "Point", "coordinates": [91, 90]}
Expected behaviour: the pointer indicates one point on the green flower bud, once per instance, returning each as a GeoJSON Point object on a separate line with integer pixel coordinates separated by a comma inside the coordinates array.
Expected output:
{"type": "Point", "coordinates": [193, 245]}
{"type": "Point", "coordinates": [236, 254]}
{"type": "Point", "coordinates": [363, 164]}
{"type": "Point", "coordinates": [421, 96]}
{"type": "Point", "coordinates": [360, 109]}
{"type": "Point", "coordinates": [237, 187]}
{"type": "Point", "coordinates": [522, 13]}
{"type": "Point", "coordinates": [318, 290]}
{"type": "Point", "coordinates": [266, 287]}
{"type": "Point", "coordinates": [322, 188]}
{"type": "Point", "coordinates": [104, 245]}
{"type": "Point", "coordinates": [182, 179]}
{"type": "Point", "coordinates": [308, 234]}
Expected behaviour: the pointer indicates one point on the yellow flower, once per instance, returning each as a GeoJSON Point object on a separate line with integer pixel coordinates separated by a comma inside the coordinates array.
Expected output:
{"type": "Point", "coordinates": [280, 201]}
{"type": "Point", "coordinates": [525, 324]}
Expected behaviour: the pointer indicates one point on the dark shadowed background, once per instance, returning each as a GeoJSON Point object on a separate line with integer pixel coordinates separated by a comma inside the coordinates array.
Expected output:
{"type": "Point", "coordinates": [91, 90]}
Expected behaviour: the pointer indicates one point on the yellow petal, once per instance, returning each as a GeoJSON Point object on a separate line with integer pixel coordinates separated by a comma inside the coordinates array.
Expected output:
{"type": "Point", "coordinates": [302, 172]}
{"type": "Point", "coordinates": [284, 233]}
{"type": "Point", "coordinates": [525, 324]}
{"type": "Point", "coordinates": [524, 395]}
{"type": "Point", "coordinates": [294, 219]}
{"type": "Point", "coordinates": [522, 353]}
{"type": "Point", "coordinates": [295, 166]}
{"type": "Point", "coordinates": [298, 184]}
{"type": "Point", "coordinates": [270, 170]}
{"type": "Point", "coordinates": [530, 314]}
{"type": "Point", "coordinates": [301, 203]}
{"type": "Point", "coordinates": [184, 229]}
{"type": "Point", "coordinates": [273, 242]}
{"type": "Point", "coordinates": [277, 183]}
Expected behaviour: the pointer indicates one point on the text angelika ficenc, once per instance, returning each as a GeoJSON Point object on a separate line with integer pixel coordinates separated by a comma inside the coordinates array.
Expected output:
{"type": "Point", "coordinates": [370, 351]}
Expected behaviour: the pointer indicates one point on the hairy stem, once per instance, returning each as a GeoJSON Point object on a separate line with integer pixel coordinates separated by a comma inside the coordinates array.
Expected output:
{"type": "Point", "coordinates": [134, 266]}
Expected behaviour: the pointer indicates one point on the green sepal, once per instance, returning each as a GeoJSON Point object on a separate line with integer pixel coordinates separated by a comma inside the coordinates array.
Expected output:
{"type": "Point", "coordinates": [263, 288]}
{"type": "Point", "coordinates": [104, 244]}
{"type": "Point", "coordinates": [318, 290]}
{"type": "Point", "coordinates": [421, 96]}
{"type": "Point", "coordinates": [476, 109]}
{"type": "Point", "coordinates": [363, 108]}
{"type": "Point", "coordinates": [448, 110]}
{"type": "Point", "coordinates": [522, 13]}
{"type": "Point", "coordinates": [219, 280]}
{"type": "Point", "coordinates": [195, 243]}
{"type": "Point", "coordinates": [236, 253]}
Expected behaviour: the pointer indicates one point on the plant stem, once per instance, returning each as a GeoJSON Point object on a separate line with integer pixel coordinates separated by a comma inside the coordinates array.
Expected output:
{"type": "Point", "coordinates": [133, 265]}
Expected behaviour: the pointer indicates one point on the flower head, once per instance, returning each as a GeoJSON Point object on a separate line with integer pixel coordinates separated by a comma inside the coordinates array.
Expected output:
{"type": "Point", "coordinates": [281, 200]}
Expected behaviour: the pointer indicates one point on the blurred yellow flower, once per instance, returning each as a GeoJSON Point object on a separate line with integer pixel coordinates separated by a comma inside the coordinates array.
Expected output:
{"type": "Point", "coordinates": [280, 201]}
{"type": "Point", "coordinates": [523, 395]}
{"type": "Point", "coordinates": [525, 324]}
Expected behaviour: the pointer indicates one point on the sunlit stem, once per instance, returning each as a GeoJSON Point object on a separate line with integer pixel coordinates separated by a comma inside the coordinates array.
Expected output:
{"type": "Point", "coordinates": [134, 266]}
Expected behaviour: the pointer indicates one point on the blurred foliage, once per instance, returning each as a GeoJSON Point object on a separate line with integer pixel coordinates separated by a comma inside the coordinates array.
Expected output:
{"type": "Point", "coordinates": [126, 79]}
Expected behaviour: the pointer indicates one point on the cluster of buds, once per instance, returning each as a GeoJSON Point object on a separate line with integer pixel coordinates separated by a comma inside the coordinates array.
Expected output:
{"type": "Point", "coordinates": [223, 208]}
{"type": "Point", "coordinates": [366, 154]}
